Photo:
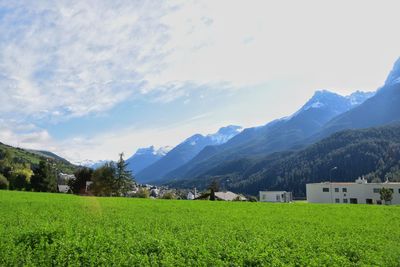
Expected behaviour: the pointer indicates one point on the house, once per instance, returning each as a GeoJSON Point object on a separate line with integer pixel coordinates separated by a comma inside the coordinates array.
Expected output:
{"type": "Point", "coordinates": [192, 195]}
{"type": "Point", "coordinates": [64, 178]}
{"type": "Point", "coordinates": [276, 196]}
{"type": "Point", "coordinates": [63, 188]}
{"type": "Point", "coordinates": [62, 182]}
{"type": "Point", "coordinates": [229, 196]}
{"type": "Point", "coordinates": [359, 192]}
{"type": "Point", "coordinates": [88, 184]}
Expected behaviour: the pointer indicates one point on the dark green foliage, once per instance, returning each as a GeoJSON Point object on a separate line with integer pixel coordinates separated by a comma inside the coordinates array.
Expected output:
{"type": "Point", "coordinates": [372, 152]}
{"type": "Point", "coordinates": [82, 175]}
{"type": "Point", "coordinates": [3, 182]}
{"type": "Point", "coordinates": [386, 194]}
{"type": "Point", "coordinates": [104, 180]}
{"type": "Point", "coordinates": [124, 177]}
{"type": "Point", "coordinates": [213, 187]}
{"type": "Point", "coordinates": [44, 178]}
{"type": "Point", "coordinates": [112, 179]}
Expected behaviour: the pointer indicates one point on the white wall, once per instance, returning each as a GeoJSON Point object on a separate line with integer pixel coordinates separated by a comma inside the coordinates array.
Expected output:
{"type": "Point", "coordinates": [361, 192]}
{"type": "Point", "coordinates": [271, 196]}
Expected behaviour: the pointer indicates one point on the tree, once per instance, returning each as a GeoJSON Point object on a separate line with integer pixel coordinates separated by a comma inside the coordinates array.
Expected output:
{"type": "Point", "coordinates": [112, 179]}
{"type": "Point", "coordinates": [3, 182]}
{"type": "Point", "coordinates": [104, 180]}
{"type": "Point", "coordinates": [214, 187]}
{"type": "Point", "coordinates": [20, 178]}
{"type": "Point", "coordinates": [386, 195]}
{"type": "Point", "coordinates": [124, 179]}
{"type": "Point", "coordinates": [78, 185]}
{"type": "Point", "coordinates": [44, 178]}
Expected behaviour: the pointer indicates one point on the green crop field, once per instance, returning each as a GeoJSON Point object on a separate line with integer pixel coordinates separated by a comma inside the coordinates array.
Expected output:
{"type": "Point", "coordinates": [63, 230]}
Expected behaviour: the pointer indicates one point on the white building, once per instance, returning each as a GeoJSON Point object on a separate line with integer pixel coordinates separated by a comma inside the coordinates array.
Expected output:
{"type": "Point", "coordinates": [359, 192]}
{"type": "Point", "coordinates": [192, 195]}
{"type": "Point", "coordinates": [276, 196]}
{"type": "Point", "coordinates": [63, 188]}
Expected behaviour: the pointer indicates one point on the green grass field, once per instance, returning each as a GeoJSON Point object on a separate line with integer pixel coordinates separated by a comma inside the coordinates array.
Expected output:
{"type": "Point", "coordinates": [64, 230]}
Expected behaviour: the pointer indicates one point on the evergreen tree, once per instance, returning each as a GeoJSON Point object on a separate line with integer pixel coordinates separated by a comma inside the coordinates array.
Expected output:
{"type": "Point", "coordinates": [124, 178]}
{"type": "Point", "coordinates": [44, 178]}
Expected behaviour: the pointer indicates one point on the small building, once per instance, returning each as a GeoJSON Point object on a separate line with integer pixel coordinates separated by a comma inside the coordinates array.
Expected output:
{"type": "Point", "coordinates": [64, 189]}
{"type": "Point", "coordinates": [192, 195]}
{"type": "Point", "coordinates": [276, 196]}
{"type": "Point", "coordinates": [229, 196]}
{"type": "Point", "coordinates": [359, 192]}
{"type": "Point", "coordinates": [88, 184]}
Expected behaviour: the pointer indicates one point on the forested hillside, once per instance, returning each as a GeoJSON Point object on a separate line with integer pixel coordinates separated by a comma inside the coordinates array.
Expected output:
{"type": "Point", "coordinates": [279, 135]}
{"type": "Point", "coordinates": [19, 166]}
{"type": "Point", "coordinates": [373, 152]}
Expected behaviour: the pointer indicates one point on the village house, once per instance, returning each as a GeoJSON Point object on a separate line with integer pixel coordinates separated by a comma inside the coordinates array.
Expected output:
{"type": "Point", "coordinates": [192, 195]}
{"type": "Point", "coordinates": [276, 196]}
{"type": "Point", "coordinates": [359, 192]}
{"type": "Point", "coordinates": [229, 196]}
{"type": "Point", "coordinates": [62, 182]}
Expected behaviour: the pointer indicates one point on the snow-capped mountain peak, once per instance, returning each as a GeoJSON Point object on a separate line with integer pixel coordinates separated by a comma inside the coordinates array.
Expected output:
{"type": "Point", "coordinates": [359, 97]}
{"type": "Point", "coordinates": [152, 150]}
{"type": "Point", "coordinates": [320, 99]}
{"type": "Point", "coordinates": [224, 134]}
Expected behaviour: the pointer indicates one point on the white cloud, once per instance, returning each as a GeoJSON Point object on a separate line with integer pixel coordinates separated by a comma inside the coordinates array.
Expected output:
{"type": "Point", "coordinates": [71, 58]}
{"type": "Point", "coordinates": [62, 59]}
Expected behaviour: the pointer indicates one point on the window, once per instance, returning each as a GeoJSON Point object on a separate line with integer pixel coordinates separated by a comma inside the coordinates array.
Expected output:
{"type": "Point", "coordinates": [399, 190]}
{"type": "Point", "coordinates": [345, 200]}
{"type": "Point", "coordinates": [379, 202]}
{"type": "Point", "coordinates": [336, 190]}
{"type": "Point", "coordinates": [325, 189]}
{"type": "Point", "coordinates": [369, 201]}
{"type": "Point", "coordinates": [391, 189]}
{"type": "Point", "coordinates": [337, 200]}
{"type": "Point", "coordinates": [377, 190]}
{"type": "Point", "coordinates": [344, 190]}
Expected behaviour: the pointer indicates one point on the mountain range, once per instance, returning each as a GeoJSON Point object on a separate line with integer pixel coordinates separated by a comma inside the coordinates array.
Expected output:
{"type": "Point", "coordinates": [200, 158]}
{"type": "Point", "coordinates": [144, 157]}
{"type": "Point", "coordinates": [184, 152]}
{"type": "Point", "coordinates": [279, 135]}
{"type": "Point", "coordinates": [251, 153]}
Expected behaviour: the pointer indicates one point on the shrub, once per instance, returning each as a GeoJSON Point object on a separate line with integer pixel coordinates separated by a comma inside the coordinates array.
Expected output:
{"type": "Point", "coordinates": [142, 193]}
{"type": "Point", "coordinates": [3, 182]}
{"type": "Point", "coordinates": [169, 195]}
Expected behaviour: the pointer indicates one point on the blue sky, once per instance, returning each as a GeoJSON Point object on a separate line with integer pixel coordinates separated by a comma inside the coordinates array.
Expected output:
{"type": "Point", "coordinates": [89, 79]}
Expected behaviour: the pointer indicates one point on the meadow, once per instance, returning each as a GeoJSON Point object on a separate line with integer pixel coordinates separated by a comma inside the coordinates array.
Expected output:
{"type": "Point", "coordinates": [38, 229]}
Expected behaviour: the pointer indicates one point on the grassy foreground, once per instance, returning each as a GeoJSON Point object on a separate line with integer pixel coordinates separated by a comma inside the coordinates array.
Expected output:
{"type": "Point", "coordinates": [53, 229]}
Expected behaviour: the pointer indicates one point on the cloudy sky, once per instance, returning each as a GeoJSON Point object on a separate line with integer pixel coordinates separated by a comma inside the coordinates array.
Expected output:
{"type": "Point", "coordinates": [88, 79]}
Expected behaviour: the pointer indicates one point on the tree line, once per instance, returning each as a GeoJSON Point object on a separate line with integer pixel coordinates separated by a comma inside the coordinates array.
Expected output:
{"type": "Point", "coordinates": [112, 179]}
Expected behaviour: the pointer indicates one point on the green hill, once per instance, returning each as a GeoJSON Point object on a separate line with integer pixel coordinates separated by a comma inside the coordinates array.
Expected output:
{"type": "Point", "coordinates": [33, 157]}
